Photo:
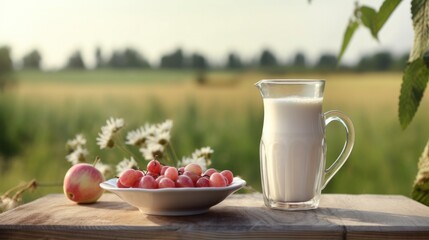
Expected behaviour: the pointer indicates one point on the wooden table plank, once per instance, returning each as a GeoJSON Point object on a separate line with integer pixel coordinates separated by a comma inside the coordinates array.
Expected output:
{"type": "Point", "coordinates": [239, 216]}
{"type": "Point", "coordinates": [379, 216]}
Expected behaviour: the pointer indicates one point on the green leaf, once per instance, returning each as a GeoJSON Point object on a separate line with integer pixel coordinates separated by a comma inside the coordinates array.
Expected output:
{"type": "Point", "coordinates": [385, 11]}
{"type": "Point", "coordinates": [348, 34]}
{"type": "Point", "coordinates": [420, 16]}
{"type": "Point", "coordinates": [420, 196]}
{"type": "Point", "coordinates": [414, 83]}
{"type": "Point", "coordinates": [421, 184]}
{"type": "Point", "coordinates": [425, 186]}
{"type": "Point", "coordinates": [374, 20]}
{"type": "Point", "coordinates": [426, 58]}
{"type": "Point", "coordinates": [369, 19]}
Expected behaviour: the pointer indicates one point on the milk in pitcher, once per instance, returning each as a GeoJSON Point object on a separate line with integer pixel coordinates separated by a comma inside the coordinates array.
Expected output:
{"type": "Point", "coordinates": [292, 148]}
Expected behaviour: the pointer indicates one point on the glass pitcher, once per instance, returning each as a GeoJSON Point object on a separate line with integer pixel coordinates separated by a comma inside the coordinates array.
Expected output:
{"type": "Point", "coordinates": [293, 143]}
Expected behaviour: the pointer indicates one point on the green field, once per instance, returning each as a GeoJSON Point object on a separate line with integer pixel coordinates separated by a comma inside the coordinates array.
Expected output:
{"type": "Point", "coordinates": [44, 109]}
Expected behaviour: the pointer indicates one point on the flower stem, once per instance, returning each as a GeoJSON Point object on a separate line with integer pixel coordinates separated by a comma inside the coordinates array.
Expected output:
{"type": "Point", "coordinates": [123, 148]}
{"type": "Point", "coordinates": [174, 152]}
{"type": "Point", "coordinates": [12, 189]}
{"type": "Point", "coordinates": [30, 185]}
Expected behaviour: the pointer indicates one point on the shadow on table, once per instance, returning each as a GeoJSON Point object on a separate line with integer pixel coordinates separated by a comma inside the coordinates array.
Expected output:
{"type": "Point", "coordinates": [360, 218]}
{"type": "Point", "coordinates": [111, 205]}
{"type": "Point", "coordinates": [322, 217]}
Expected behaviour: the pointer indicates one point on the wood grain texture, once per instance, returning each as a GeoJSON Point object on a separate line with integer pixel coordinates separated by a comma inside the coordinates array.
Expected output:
{"type": "Point", "coordinates": [239, 216]}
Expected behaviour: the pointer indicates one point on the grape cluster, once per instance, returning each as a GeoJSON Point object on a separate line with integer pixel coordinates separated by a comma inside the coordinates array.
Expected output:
{"type": "Point", "coordinates": [158, 176]}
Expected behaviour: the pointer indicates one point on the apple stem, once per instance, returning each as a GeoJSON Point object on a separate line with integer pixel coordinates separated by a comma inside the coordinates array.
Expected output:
{"type": "Point", "coordinates": [96, 160]}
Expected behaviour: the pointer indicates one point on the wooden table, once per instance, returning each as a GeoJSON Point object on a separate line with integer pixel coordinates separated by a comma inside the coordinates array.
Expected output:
{"type": "Point", "coordinates": [239, 216]}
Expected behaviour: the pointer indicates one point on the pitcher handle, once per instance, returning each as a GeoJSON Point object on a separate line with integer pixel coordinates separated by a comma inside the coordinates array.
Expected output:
{"type": "Point", "coordinates": [348, 145]}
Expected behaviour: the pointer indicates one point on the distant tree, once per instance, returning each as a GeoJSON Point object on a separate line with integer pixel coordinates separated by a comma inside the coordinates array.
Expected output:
{"type": "Point", "coordinates": [116, 60]}
{"type": "Point", "coordinates": [32, 60]}
{"type": "Point", "coordinates": [128, 58]}
{"type": "Point", "coordinates": [173, 60]}
{"type": "Point", "coordinates": [6, 67]}
{"type": "Point", "coordinates": [75, 61]}
{"type": "Point", "coordinates": [233, 61]}
{"type": "Point", "coordinates": [299, 60]}
{"type": "Point", "coordinates": [134, 59]}
{"type": "Point", "coordinates": [327, 62]}
{"type": "Point", "coordinates": [268, 59]}
{"type": "Point", "coordinates": [365, 64]}
{"type": "Point", "coordinates": [382, 61]}
{"type": "Point", "coordinates": [198, 61]}
{"type": "Point", "coordinates": [99, 60]}
{"type": "Point", "coordinates": [400, 62]}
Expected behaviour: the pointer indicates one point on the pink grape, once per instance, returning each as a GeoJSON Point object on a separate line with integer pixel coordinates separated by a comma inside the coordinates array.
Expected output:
{"type": "Point", "coordinates": [166, 183]}
{"type": "Point", "coordinates": [210, 171]}
{"type": "Point", "coordinates": [163, 169]}
{"type": "Point", "coordinates": [195, 168]}
{"type": "Point", "coordinates": [203, 182]}
{"type": "Point", "coordinates": [172, 173]}
{"type": "Point", "coordinates": [159, 176]}
{"type": "Point", "coordinates": [154, 167]}
{"type": "Point", "coordinates": [184, 181]}
{"type": "Point", "coordinates": [148, 182]}
{"type": "Point", "coordinates": [130, 177]}
{"type": "Point", "coordinates": [194, 177]}
{"type": "Point", "coordinates": [217, 180]}
{"type": "Point", "coordinates": [154, 175]}
{"type": "Point", "coordinates": [119, 184]}
{"type": "Point", "coordinates": [228, 175]}
{"type": "Point", "coordinates": [157, 180]}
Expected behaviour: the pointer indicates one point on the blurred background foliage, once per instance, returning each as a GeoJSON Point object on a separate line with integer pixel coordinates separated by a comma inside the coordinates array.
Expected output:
{"type": "Point", "coordinates": [210, 105]}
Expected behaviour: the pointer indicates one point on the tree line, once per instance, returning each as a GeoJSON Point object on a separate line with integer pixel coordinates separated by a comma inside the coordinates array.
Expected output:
{"type": "Point", "coordinates": [178, 59]}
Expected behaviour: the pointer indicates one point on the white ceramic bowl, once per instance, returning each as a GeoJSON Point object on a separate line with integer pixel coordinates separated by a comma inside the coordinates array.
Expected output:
{"type": "Point", "coordinates": [173, 201]}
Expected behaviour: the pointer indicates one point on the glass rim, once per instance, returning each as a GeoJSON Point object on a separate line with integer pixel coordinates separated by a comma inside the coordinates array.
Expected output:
{"type": "Point", "coordinates": [291, 81]}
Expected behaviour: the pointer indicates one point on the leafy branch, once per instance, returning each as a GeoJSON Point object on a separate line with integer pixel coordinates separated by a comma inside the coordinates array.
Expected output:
{"type": "Point", "coordinates": [370, 18]}
{"type": "Point", "coordinates": [416, 73]}
{"type": "Point", "coordinates": [415, 76]}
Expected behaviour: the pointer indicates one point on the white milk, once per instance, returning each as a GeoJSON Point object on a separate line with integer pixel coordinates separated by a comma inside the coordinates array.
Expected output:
{"type": "Point", "coordinates": [292, 142]}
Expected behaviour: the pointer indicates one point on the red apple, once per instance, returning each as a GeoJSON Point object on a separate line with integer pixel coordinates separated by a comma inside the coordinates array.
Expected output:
{"type": "Point", "coordinates": [82, 183]}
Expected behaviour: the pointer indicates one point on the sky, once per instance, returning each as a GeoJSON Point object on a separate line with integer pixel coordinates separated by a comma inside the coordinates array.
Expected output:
{"type": "Point", "coordinates": [210, 27]}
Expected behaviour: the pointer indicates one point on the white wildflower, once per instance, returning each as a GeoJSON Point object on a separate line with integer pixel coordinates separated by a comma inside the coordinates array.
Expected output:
{"type": "Point", "coordinates": [185, 161]}
{"type": "Point", "coordinates": [78, 141]}
{"type": "Point", "coordinates": [105, 139]}
{"type": "Point", "coordinates": [108, 131]}
{"type": "Point", "coordinates": [162, 138]}
{"type": "Point", "coordinates": [78, 155]}
{"type": "Point", "coordinates": [137, 137]}
{"type": "Point", "coordinates": [152, 151]}
{"type": "Point", "coordinates": [205, 152]}
{"type": "Point", "coordinates": [150, 130]}
{"type": "Point", "coordinates": [113, 125]}
{"type": "Point", "coordinates": [105, 169]}
{"type": "Point", "coordinates": [125, 165]}
{"type": "Point", "coordinates": [166, 126]}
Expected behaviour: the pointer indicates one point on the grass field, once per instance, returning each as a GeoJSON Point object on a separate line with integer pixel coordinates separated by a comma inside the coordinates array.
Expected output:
{"type": "Point", "coordinates": [43, 110]}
